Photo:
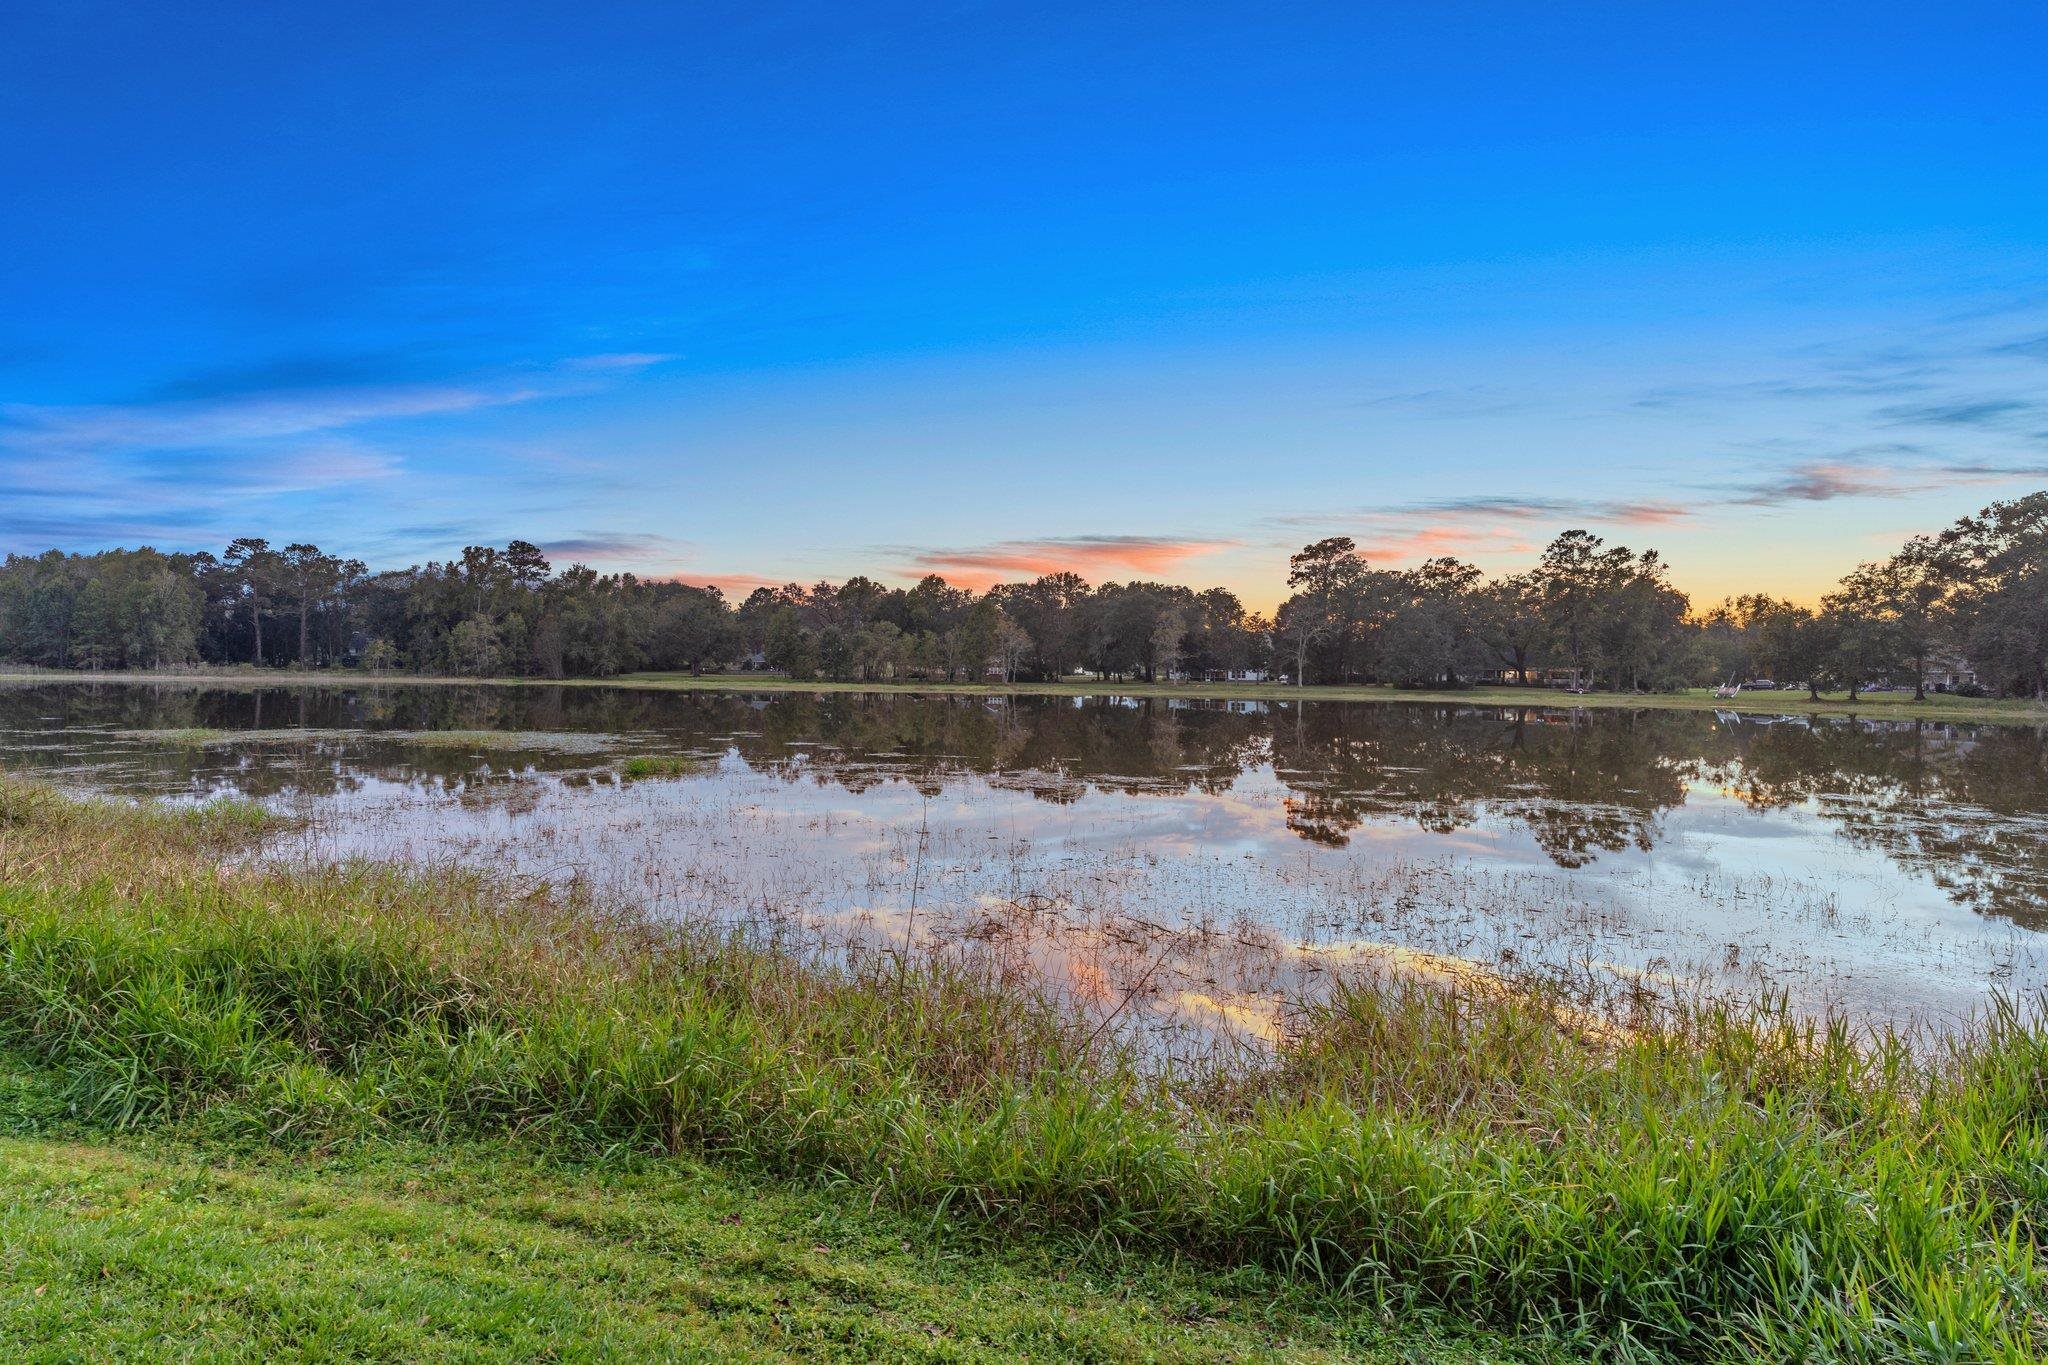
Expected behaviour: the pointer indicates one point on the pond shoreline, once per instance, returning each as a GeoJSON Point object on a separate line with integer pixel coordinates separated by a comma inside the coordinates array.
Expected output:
{"type": "Point", "coordinates": [1215, 854]}
{"type": "Point", "coordinates": [1501, 1157]}
{"type": "Point", "coordinates": [1879, 706]}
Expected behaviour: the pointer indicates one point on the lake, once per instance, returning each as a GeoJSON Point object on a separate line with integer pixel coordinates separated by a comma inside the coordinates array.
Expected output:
{"type": "Point", "coordinates": [1189, 865]}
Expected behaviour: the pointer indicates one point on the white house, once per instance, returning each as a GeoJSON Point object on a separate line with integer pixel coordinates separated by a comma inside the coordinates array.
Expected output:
{"type": "Point", "coordinates": [1947, 672]}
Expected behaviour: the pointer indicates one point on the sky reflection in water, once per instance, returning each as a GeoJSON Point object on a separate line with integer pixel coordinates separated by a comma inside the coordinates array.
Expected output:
{"type": "Point", "coordinates": [1188, 862]}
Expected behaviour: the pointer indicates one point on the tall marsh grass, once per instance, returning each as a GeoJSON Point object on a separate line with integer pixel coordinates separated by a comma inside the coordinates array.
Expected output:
{"type": "Point", "coordinates": [1691, 1182]}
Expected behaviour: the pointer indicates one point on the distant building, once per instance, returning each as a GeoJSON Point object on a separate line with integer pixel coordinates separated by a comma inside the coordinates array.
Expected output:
{"type": "Point", "coordinates": [1947, 672]}
{"type": "Point", "coordinates": [1217, 675]}
{"type": "Point", "coordinates": [1528, 677]}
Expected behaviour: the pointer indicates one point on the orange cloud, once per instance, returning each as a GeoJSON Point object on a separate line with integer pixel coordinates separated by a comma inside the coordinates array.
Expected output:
{"type": "Point", "coordinates": [1431, 541]}
{"type": "Point", "coordinates": [1092, 557]}
{"type": "Point", "coordinates": [733, 585]}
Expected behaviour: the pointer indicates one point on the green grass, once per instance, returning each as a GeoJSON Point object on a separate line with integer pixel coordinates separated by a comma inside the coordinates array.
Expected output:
{"type": "Point", "coordinates": [1883, 705]}
{"type": "Point", "coordinates": [664, 765]}
{"type": "Point", "coordinates": [191, 737]}
{"type": "Point", "coordinates": [157, 1246]}
{"type": "Point", "coordinates": [1654, 1180]}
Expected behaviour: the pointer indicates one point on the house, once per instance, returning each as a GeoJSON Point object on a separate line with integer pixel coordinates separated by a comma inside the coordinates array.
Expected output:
{"type": "Point", "coordinates": [1947, 672]}
{"type": "Point", "coordinates": [1530, 677]}
{"type": "Point", "coordinates": [1216, 675]}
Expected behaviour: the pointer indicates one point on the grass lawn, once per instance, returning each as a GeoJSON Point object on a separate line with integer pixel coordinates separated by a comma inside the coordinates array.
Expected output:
{"type": "Point", "coordinates": [1882, 705]}
{"type": "Point", "coordinates": [155, 1246]}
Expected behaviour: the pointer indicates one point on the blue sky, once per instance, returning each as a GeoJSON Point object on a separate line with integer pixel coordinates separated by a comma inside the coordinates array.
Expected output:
{"type": "Point", "coordinates": [764, 292]}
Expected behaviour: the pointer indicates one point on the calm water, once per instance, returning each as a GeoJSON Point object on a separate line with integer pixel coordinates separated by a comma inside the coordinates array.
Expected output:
{"type": "Point", "coordinates": [1191, 862]}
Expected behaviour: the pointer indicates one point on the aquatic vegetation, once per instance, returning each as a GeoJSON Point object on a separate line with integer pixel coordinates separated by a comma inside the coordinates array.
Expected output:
{"type": "Point", "coordinates": [663, 765]}
{"type": "Point", "coordinates": [1695, 1180]}
{"type": "Point", "coordinates": [487, 741]}
{"type": "Point", "coordinates": [466, 741]}
{"type": "Point", "coordinates": [191, 737]}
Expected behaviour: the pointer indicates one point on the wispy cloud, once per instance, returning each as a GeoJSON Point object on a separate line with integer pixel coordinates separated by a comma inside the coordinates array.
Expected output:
{"type": "Point", "coordinates": [1467, 400]}
{"type": "Point", "coordinates": [1479, 525]}
{"type": "Point", "coordinates": [141, 427]}
{"type": "Point", "coordinates": [616, 547]}
{"type": "Point", "coordinates": [305, 467]}
{"type": "Point", "coordinates": [86, 528]}
{"type": "Point", "coordinates": [1093, 557]}
{"type": "Point", "coordinates": [1822, 483]}
{"type": "Point", "coordinates": [1838, 386]}
{"type": "Point", "coordinates": [1483, 526]}
{"type": "Point", "coordinates": [1826, 481]}
{"type": "Point", "coordinates": [617, 360]}
{"type": "Point", "coordinates": [207, 445]}
{"type": "Point", "coordinates": [1950, 365]}
{"type": "Point", "coordinates": [1606, 511]}
{"type": "Point", "coordinates": [1980, 412]}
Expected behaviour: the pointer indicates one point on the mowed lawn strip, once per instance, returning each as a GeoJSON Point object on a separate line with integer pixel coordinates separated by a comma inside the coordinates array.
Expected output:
{"type": "Point", "coordinates": [153, 1246]}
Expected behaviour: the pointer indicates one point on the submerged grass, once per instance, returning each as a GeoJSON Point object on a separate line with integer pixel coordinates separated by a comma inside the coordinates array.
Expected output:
{"type": "Point", "coordinates": [663, 765]}
{"type": "Point", "coordinates": [472, 741]}
{"type": "Point", "coordinates": [1689, 1181]}
{"type": "Point", "coordinates": [190, 737]}
{"type": "Point", "coordinates": [465, 741]}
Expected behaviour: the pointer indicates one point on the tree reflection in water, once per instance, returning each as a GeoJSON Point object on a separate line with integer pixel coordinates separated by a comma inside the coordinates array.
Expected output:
{"type": "Point", "coordinates": [1965, 806]}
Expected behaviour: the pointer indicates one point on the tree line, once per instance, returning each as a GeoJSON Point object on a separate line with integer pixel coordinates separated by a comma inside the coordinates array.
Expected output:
{"type": "Point", "coordinates": [1588, 613]}
{"type": "Point", "coordinates": [1972, 598]}
{"type": "Point", "coordinates": [1967, 606]}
